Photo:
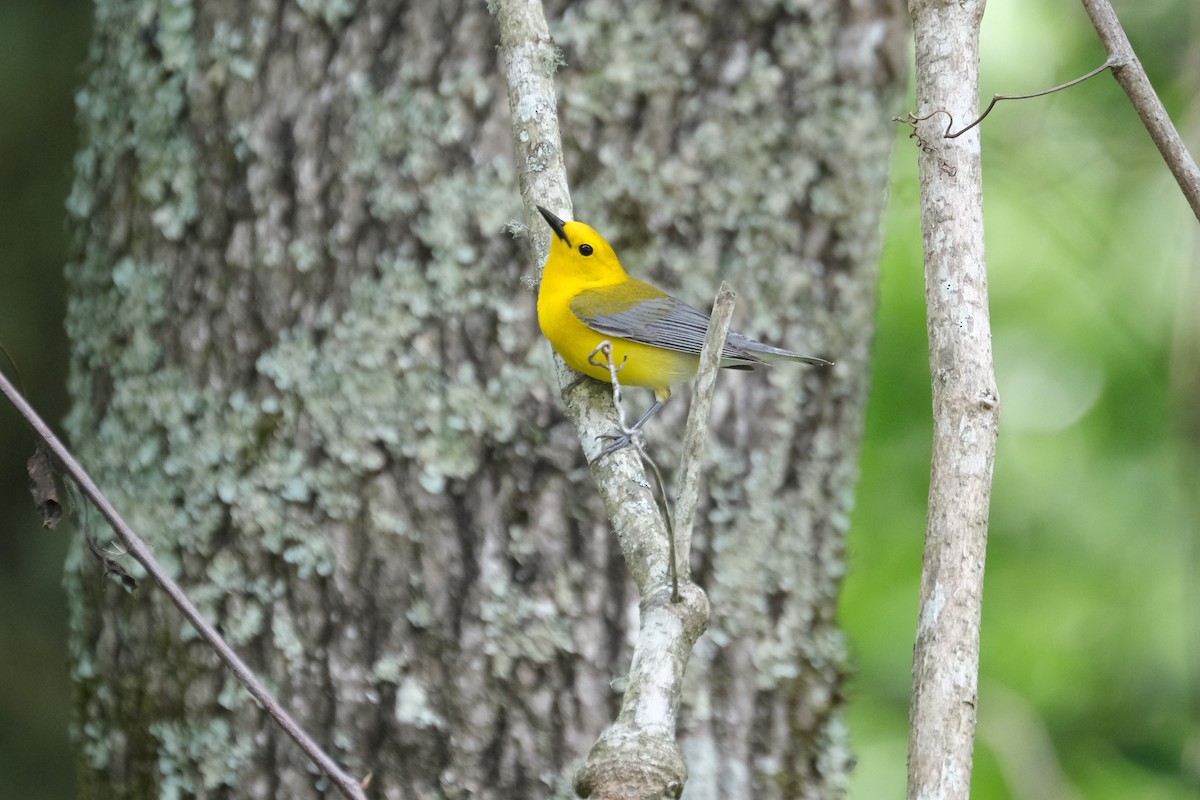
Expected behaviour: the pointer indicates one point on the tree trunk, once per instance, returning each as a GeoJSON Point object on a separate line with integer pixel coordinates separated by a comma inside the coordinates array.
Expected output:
{"type": "Point", "coordinates": [307, 368]}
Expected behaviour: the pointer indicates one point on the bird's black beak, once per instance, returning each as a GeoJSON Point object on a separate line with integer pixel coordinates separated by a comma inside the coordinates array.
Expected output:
{"type": "Point", "coordinates": [555, 224]}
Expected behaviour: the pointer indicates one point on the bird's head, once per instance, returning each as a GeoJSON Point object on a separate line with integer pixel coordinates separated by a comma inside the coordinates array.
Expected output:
{"type": "Point", "coordinates": [584, 253]}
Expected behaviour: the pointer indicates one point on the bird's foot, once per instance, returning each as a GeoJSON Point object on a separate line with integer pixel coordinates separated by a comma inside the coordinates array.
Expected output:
{"type": "Point", "coordinates": [620, 440]}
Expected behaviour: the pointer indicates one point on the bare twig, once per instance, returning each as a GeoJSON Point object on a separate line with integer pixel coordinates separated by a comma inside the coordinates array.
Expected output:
{"type": "Point", "coordinates": [631, 435]}
{"type": "Point", "coordinates": [1128, 71]}
{"type": "Point", "coordinates": [13, 363]}
{"type": "Point", "coordinates": [1130, 74]}
{"type": "Point", "coordinates": [696, 433]}
{"type": "Point", "coordinates": [137, 548]}
{"type": "Point", "coordinates": [996, 98]}
{"type": "Point", "coordinates": [668, 520]}
{"type": "Point", "coordinates": [636, 439]}
{"type": "Point", "coordinates": [965, 408]}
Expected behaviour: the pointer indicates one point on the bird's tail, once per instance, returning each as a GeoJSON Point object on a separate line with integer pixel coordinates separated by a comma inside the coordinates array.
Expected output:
{"type": "Point", "coordinates": [768, 353]}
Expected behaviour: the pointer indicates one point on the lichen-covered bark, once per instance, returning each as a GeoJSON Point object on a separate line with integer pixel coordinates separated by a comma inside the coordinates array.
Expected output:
{"type": "Point", "coordinates": [306, 367]}
{"type": "Point", "coordinates": [748, 142]}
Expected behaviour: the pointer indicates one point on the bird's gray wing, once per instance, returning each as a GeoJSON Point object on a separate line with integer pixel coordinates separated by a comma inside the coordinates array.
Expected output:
{"type": "Point", "coordinates": [660, 321]}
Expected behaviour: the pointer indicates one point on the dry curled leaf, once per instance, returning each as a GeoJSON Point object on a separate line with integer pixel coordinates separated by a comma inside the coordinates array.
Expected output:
{"type": "Point", "coordinates": [44, 487]}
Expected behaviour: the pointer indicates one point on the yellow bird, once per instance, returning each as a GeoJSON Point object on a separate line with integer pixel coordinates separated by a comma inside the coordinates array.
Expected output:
{"type": "Point", "coordinates": [586, 297]}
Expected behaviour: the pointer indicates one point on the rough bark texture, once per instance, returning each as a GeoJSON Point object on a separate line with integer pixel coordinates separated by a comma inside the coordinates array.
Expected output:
{"type": "Point", "coordinates": [307, 370]}
{"type": "Point", "coordinates": [966, 405]}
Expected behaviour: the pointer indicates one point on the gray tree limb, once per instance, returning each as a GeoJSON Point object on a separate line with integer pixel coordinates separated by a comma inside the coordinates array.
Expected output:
{"type": "Point", "coordinates": [1130, 73]}
{"type": "Point", "coordinates": [965, 406]}
{"type": "Point", "coordinates": [638, 755]}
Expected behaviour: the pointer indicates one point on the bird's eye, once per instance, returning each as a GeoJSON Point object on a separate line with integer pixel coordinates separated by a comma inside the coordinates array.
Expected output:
{"type": "Point", "coordinates": [585, 249]}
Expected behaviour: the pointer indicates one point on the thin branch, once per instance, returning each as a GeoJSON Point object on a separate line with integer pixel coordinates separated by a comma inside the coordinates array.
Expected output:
{"type": "Point", "coordinates": [965, 411]}
{"type": "Point", "coordinates": [347, 785]}
{"type": "Point", "coordinates": [605, 349]}
{"type": "Point", "coordinates": [634, 437]}
{"type": "Point", "coordinates": [996, 98]}
{"type": "Point", "coordinates": [696, 433]}
{"type": "Point", "coordinates": [1128, 71]}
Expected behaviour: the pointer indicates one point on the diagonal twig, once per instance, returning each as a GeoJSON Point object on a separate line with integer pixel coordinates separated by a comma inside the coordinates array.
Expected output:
{"type": "Point", "coordinates": [347, 784]}
{"type": "Point", "coordinates": [696, 433]}
{"type": "Point", "coordinates": [1128, 71]}
{"type": "Point", "coordinates": [996, 98]}
{"type": "Point", "coordinates": [637, 440]}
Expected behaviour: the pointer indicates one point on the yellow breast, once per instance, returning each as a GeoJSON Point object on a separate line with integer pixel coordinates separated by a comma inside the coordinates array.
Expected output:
{"type": "Point", "coordinates": [641, 364]}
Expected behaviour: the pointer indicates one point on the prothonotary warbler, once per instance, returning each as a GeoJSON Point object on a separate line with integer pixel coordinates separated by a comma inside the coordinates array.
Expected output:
{"type": "Point", "coordinates": [586, 297]}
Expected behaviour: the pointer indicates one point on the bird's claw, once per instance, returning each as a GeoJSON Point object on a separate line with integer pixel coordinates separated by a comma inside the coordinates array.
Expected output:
{"type": "Point", "coordinates": [618, 441]}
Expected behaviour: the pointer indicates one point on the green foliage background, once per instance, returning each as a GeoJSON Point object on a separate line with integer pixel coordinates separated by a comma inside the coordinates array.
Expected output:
{"type": "Point", "coordinates": [1091, 621]}
{"type": "Point", "coordinates": [42, 47]}
{"type": "Point", "coordinates": [1090, 684]}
